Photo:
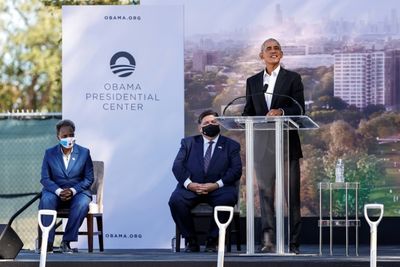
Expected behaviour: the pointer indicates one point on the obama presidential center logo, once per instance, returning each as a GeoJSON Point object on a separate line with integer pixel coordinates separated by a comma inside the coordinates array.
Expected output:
{"type": "Point", "coordinates": [122, 64]}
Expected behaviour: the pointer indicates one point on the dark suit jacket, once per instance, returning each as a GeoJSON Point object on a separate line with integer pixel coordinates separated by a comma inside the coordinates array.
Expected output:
{"type": "Point", "coordinates": [287, 83]}
{"type": "Point", "coordinates": [225, 163]}
{"type": "Point", "coordinates": [79, 174]}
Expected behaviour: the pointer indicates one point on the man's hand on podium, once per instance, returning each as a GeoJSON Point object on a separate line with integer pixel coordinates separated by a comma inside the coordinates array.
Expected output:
{"type": "Point", "coordinates": [275, 112]}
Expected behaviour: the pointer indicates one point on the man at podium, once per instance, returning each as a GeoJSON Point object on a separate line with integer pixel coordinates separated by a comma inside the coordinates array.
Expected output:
{"type": "Point", "coordinates": [275, 91]}
{"type": "Point", "coordinates": [207, 168]}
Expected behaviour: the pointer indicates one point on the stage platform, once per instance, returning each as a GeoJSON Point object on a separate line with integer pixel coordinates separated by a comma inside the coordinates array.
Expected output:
{"type": "Point", "coordinates": [309, 257]}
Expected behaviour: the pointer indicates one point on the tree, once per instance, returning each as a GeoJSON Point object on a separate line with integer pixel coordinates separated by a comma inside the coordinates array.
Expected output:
{"type": "Point", "coordinates": [31, 69]}
{"type": "Point", "coordinates": [30, 73]}
{"type": "Point", "coordinates": [338, 104]}
{"type": "Point", "coordinates": [365, 169]}
{"type": "Point", "coordinates": [343, 139]}
{"type": "Point", "coordinates": [382, 126]}
{"type": "Point", "coordinates": [331, 102]}
{"type": "Point", "coordinates": [373, 109]}
{"type": "Point", "coordinates": [317, 82]}
{"type": "Point", "coordinates": [311, 175]}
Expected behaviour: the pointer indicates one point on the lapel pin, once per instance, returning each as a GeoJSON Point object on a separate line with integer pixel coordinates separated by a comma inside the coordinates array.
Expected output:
{"type": "Point", "coordinates": [220, 147]}
{"type": "Point", "coordinates": [73, 158]}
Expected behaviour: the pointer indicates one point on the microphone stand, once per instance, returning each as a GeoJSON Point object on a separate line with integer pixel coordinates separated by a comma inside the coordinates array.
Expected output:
{"type": "Point", "coordinates": [264, 91]}
{"type": "Point", "coordinates": [243, 96]}
{"type": "Point", "coordinates": [230, 103]}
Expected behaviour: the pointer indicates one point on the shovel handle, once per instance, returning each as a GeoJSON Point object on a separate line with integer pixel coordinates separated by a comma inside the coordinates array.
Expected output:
{"type": "Point", "coordinates": [223, 208]}
{"type": "Point", "coordinates": [222, 230]}
{"type": "Point", "coordinates": [50, 213]}
{"type": "Point", "coordinates": [371, 207]}
{"type": "Point", "coordinates": [45, 233]}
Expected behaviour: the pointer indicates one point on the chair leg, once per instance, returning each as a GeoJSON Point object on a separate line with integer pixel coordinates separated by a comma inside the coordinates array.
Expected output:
{"type": "Point", "coordinates": [228, 238]}
{"type": "Point", "coordinates": [178, 239]}
{"type": "Point", "coordinates": [238, 236]}
{"type": "Point", "coordinates": [89, 219]}
{"type": "Point", "coordinates": [39, 238]}
{"type": "Point", "coordinates": [100, 230]}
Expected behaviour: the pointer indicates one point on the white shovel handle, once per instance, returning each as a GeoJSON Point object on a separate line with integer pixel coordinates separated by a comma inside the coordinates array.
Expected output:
{"type": "Point", "coordinates": [50, 213]}
{"type": "Point", "coordinates": [45, 233]}
{"type": "Point", "coordinates": [223, 208]}
{"type": "Point", "coordinates": [370, 207]}
{"type": "Point", "coordinates": [222, 230]}
{"type": "Point", "coordinates": [374, 230]}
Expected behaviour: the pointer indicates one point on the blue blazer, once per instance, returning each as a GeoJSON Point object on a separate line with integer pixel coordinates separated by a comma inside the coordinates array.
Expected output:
{"type": "Point", "coordinates": [79, 174]}
{"type": "Point", "coordinates": [225, 162]}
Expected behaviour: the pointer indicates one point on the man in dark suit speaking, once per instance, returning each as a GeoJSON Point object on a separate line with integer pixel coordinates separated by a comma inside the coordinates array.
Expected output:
{"type": "Point", "coordinates": [207, 168]}
{"type": "Point", "coordinates": [284, 96]}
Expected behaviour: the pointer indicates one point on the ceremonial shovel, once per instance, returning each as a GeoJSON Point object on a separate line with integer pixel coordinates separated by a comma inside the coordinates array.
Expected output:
{"type": "Point", "coordinates": [374, 230]}
{"type": "Point", "coordinates": [45, 233]}
{"type": "Point", "coordinates": [222, 230]}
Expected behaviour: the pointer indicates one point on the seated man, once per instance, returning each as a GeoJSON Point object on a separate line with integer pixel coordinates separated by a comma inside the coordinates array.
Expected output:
{"type": "Point", "coordinates": [207, 168]}
{"type": "Point", "coordinates": [67, 174]}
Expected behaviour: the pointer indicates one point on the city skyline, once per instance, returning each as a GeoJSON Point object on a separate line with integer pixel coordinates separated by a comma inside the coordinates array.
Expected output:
{"type": "Point", "coordinates": [242, 17]}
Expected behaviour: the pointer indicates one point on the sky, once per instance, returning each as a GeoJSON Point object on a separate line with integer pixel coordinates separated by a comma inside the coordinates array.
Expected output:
{"type": "Point", "coordinates": [236, 13]}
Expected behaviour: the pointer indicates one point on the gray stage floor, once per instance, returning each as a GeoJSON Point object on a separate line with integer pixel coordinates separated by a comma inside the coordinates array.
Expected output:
{"type": "Point", "coordinates": [387, 256]}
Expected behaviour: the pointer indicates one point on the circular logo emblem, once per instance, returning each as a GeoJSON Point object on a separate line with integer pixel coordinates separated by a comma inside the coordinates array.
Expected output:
{"type": "Point", "coordinates": [126, 64]}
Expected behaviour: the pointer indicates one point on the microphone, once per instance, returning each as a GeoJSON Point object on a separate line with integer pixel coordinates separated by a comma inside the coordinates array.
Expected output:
{"type": "Point", "coordinates": [291, 98]}
{"type": "Point", "coordinates": [244, 96]}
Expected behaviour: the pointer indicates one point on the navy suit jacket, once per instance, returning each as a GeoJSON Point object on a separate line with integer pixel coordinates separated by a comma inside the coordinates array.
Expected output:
{"type": "Point", "coordinates": [287, 83]}
{"type": "Point", "coordinates": [79, 174]}
{"type": "Point", "coordinates": [225, 163]}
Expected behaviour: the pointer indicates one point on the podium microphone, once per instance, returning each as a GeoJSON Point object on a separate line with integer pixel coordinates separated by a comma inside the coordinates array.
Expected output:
{"type": "Point", "coordinates": [244, 96]}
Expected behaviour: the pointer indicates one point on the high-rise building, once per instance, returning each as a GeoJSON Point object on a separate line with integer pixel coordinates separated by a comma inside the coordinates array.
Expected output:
{"type": "Point", "coordinates": [392, 67]}
{"type": "Point", "coordinates": [203, 58]}
{"type": "Point", "coordinates": [199, 60]}
{"type": "Point", "coordinates": [394, 21]}
{"type": "Point", "coordinates": [278, 15]}
{"type": "Point", "coordinates": [359, 78]}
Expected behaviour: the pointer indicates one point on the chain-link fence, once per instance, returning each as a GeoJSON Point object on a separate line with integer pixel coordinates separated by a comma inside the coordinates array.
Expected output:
{"type": "Point", "coordinates": [23, 139]}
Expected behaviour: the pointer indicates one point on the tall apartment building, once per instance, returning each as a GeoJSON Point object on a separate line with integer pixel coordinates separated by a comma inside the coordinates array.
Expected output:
{"type": "Point", "coordinates": [392, 62]}
{"type": "Point", "coordinates": [359, 78]}
{"type": "Point", "coordinates": [203, 58]}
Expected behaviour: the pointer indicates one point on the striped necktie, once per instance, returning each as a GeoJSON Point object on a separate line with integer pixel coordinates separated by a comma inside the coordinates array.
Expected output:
{"type": "Point", "coordinates": [207, 156]}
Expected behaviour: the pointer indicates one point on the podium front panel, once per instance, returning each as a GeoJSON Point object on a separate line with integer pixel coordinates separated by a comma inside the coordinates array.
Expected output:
{"type": "Point", "coordinates": [271, 169]}
{"type": "Point", "coordinates": [267, 170]}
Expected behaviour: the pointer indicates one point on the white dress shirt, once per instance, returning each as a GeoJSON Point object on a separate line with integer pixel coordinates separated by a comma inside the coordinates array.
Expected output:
{"type": "Point", "coordinates": [270, 80]}
{"type": "Point", "coordinates": [66, 159]}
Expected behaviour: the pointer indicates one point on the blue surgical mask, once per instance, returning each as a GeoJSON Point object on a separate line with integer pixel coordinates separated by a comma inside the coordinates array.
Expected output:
{"type": "Point", "coordinates": [67, 142]}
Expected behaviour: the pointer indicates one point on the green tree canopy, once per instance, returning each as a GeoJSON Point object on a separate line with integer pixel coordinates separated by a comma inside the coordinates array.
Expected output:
{"type": "Point", "coordinates": [30, 70]}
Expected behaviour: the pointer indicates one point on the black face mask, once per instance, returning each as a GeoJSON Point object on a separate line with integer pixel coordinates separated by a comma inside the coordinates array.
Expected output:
{"type": "Point", "coordinates": [210, 130]}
